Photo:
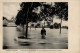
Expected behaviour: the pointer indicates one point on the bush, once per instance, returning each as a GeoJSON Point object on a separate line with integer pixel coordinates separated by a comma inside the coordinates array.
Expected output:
{"type": "Point", "coordinates": [32, 25]}
{"type": "Point", "coordinates": [51, 27]}
{"type": "Point", "coordinates": [56, 25]}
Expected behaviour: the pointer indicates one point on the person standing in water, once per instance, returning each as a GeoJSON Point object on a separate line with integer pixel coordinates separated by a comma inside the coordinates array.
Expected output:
{"type": "Point", "coordinates": [43, 33]}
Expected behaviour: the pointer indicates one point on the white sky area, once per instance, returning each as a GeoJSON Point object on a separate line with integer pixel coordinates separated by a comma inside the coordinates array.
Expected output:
{"type": "Point", "coordinates": [10, 9]}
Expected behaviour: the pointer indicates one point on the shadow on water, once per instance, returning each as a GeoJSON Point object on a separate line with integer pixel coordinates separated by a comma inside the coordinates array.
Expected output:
{"type": "Point", "coordinates": [5, 47]}
{"type": "Point", "coordinates": [44, 43]}
{"type": "Point", "coordinates": [25, 43]}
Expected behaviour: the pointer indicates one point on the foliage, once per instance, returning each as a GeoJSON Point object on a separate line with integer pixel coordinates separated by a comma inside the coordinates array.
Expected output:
{"type": "Point", "coordinates": [47, 11]}
{"type": "Point", "coordinates": [26, 13]}
{"type": "Point", "coordinates": [61, 10]}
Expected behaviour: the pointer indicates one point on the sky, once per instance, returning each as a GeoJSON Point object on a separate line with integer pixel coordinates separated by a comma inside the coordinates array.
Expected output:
{"type": "Point", "coordinates": [10, 9]}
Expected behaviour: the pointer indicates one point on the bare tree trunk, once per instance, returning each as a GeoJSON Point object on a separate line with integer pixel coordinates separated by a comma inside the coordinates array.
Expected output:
{"type": "Point", "coordinates": [27, 25]}
{"type": "Point", "coordinates": [30, 28]}
{"type": "Point", "coordinates": [44, 23]}
{"type": "Point", "coordinates": [23, 29]}
{"type": "Point", "coordinates": [35, 28]}
{"type": "Point", "coordinates": [26, 28]}
{"type": "Point", "coordinates": [60, 25]}
{"type": "Point", "coordinates": [52, 21]}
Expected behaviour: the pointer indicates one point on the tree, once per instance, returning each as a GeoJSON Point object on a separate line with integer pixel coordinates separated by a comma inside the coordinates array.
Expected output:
{"type": "Point", "coordinates": [26, 14]}
{"type": "Point", "coordinates": [47, 12]}
{"type": "Point", "coordinates": [61, 10]}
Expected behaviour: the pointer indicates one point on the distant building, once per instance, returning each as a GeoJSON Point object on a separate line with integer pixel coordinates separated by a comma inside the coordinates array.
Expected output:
{"type": "Point", "coordinates": [13, 19]}
{"type": "Point", "coordinates": [5, 21]}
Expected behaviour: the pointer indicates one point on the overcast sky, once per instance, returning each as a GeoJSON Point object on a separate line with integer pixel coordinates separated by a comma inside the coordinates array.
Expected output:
{"type": "Point", "coordinates": [10, 9]}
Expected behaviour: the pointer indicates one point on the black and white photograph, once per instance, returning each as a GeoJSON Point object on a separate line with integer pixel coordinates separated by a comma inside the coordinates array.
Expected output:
{"type": "Point", "coordinates": [35, 25]}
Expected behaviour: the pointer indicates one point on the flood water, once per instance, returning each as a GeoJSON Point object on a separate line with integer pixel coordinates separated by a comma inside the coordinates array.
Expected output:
{"type": "Point", "coordinates": [53, 39]}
